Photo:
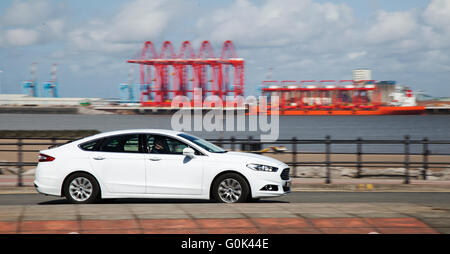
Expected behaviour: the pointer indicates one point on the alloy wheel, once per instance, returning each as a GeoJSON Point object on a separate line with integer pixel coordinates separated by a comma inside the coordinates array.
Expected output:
{"type": "Point", "coordinates": [80, 189]}
{"type": "Point", "coordinates": [230, 190]}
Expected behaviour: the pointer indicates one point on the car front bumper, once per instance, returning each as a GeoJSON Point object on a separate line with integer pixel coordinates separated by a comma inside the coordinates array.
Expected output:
{"type": "Point", "coordinates": [268, 184]}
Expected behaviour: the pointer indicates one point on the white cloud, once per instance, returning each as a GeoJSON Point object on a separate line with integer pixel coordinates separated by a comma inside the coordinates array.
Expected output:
{"type": "Point", "coordinates": [274, 23]}
{"type": "Point", "coordinates": [391, 26]}
{"type": "Point", "coordinates": [56, 26]}
{"type": "Point", "coordinates": [26, 23]}
{"type": "Point", "coordinates": [138, 21]}
{"type": "Point", "coordinates": [74, 67]}
{"type": "Point", "coordinates": [27, 12]}
{"type": "Point", "coordinates": [95, 40]}
{"type": "Point", "coordinates": [58, 54]}
{"type": "Point", "coordinates": [21, 37]}
{"type": "Point", "coordinates": [437, 14]}
{"type": "Point", "coordinates": [355, 55]}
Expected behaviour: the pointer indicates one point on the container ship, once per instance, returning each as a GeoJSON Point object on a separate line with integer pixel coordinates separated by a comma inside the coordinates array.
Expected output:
{"type": "Point", "coordinates": [223, 76]}
{"type": "Point", "coordinates": [344, 97]}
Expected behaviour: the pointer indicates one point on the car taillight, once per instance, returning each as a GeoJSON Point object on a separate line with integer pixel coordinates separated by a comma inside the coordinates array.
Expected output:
{"type": "Point", "coordinates": [44, 158]}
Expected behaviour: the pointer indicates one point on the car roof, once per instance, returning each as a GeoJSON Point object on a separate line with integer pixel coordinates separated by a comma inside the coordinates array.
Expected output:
{"type": "Point", "coordinates": [118, 132]}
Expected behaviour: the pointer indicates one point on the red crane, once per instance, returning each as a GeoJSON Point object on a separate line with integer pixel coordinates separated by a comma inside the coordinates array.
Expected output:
{"type": "Point", "coordinates": [166, 75]}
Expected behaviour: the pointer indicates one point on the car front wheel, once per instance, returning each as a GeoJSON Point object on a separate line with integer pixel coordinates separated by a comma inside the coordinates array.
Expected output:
{"type": "Point", "coordinates": [230, 188]}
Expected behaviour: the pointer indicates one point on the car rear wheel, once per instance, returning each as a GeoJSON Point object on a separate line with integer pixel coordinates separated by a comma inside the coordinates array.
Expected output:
{"type": "Point", "coordinates": [230, 188]}
{"type": "Point", "coordinates": [81, 188]}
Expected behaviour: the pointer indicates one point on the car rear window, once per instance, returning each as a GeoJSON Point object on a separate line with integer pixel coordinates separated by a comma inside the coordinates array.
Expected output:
{"type": "Point", "coordinates": [91, 145]}
{"type": "Point", "coordinates": [128, 143]}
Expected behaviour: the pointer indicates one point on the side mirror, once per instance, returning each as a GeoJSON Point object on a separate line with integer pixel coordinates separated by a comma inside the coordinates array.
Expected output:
{"type": "Point", "coordinates": [189, 152]}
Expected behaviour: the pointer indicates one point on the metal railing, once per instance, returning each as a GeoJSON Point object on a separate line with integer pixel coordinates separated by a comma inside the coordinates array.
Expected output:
{"type": "Point", "coordinates": [358, 163]}
{"type": "Point", "coordinates": [251, 145]}
{"type": "Point", "coordinates": [20, 144]}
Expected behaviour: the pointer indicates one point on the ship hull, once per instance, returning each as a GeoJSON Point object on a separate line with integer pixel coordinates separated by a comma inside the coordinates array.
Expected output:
{"type": "Point", "coordinates": [416, 110]}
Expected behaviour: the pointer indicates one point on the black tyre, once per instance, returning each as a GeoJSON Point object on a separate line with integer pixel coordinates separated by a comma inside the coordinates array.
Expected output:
{"type": "Point", "coordinates": [230, 188]}
{"type": "Point", "coordinates": [81, 188]}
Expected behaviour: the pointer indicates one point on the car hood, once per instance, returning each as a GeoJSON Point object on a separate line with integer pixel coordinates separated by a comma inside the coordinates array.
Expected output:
{"type": "Point", "coordinates": [252, 158]}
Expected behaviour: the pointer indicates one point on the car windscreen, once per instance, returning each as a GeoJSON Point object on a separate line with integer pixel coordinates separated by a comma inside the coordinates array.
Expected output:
{"type": "Point", "coordinates": [203, 143]}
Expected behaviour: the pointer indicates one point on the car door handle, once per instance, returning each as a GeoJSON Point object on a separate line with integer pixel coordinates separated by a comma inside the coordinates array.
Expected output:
{"type": "Point", "coordinates": [155, 159]}
{"type": "Point", "coordinates": [99, 158]}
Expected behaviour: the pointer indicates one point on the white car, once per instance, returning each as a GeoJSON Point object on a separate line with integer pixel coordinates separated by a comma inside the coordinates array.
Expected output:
{"type": "Point", "coordinates": [156, 164]}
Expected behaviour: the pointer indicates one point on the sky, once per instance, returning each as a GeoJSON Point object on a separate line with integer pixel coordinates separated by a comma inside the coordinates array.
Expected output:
{"type": "Point", "coordinates": [404, 40]}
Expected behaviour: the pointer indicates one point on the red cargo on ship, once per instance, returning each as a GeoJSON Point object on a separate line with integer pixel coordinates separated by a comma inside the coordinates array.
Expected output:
{"type": "Point", "coordinates": [344, 97]}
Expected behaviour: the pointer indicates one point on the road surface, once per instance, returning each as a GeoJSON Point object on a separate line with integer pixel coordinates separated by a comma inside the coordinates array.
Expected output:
{"type": "Point", "coordinates": [422, 198]}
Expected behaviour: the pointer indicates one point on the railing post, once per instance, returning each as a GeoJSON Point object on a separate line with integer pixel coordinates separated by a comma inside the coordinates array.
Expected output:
{"type": "Point", "coordinates": [250, 141]}
{"type": "Point", "coordinates": [358, 157]}
{"type": "Point", "coordinates": [327, 159]}
{"type": "Point", "coordinates": [220, 142]}
{"type": "Point", "coordinates": [406, 160]}
{"type": "Point", "coordinates": [53, 142]}
{"type": "Point", "coordinates": [294, 155]}
{"type": "Point", "coordinates": [20, 161]}
{"type": "Point", "coordinates": [425, 158]}
{"type": "Point", "coordinates": [232, 143]}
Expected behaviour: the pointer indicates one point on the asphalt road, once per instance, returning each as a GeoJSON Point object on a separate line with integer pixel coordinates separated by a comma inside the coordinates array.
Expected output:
{"type": "Point", "coordinates": [422, 198]}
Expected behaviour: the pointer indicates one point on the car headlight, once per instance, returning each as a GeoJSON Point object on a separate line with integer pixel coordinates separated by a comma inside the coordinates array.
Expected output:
{"type": "Point", "coordinates": [260, 167]}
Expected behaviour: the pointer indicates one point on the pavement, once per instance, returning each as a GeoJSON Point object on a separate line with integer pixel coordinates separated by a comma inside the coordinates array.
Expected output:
{"type": "Point", "coordinates": [8, 185]}
{"type": "Point", "coordinates": [212, 218]}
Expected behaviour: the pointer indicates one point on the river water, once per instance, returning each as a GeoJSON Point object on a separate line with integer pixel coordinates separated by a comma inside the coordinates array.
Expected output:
{"type": "Point", "coordinates": [434, 127]}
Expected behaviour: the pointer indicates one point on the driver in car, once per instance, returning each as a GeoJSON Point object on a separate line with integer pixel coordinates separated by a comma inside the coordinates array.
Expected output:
{"type": "Point", "coordinates": [160, 146]}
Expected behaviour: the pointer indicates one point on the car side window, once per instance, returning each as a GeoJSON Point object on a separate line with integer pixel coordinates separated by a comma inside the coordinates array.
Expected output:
{"type": "Point", "coordinates": [165, 145]}
{"type": "Point", "coordinates": [91, 145]}
{"type": "Point", "coordinates": [121, 144]}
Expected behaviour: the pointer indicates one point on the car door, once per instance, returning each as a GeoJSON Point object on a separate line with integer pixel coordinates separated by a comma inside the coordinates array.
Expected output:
{"type": "Point", "coordinates": [121, 163]}
{"type": "Point", "coordinates": [168, 170]}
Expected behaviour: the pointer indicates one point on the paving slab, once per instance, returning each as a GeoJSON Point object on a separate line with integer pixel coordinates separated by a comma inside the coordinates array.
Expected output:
{"type": "Point", "coordinates": [440, 215]}
{"type": "Point", "coordinates": [175, 231]}
{"type": "Point", "coordinates": [8, 226]}
{"type": "Point", "coordinates": [378, 215]}
{"type": "Point", "coordinates": [168, 224]}
{"type": "Point", "coordinates": [162, 216]}
{"type": "Point", "coordinates": [11, 217]}
{"type": "Point", "coordinates": [360, 230]}
{"type": "Point", "coordinates": [45, 217]}
{"type": "Point", "coordinates": [155, 209]}
{"type": "Point", "coordinates": [217, 215]}
{"type": "Point", "coordinates": [443, 230]}
{"type": "Point", "coordinates": [31, 213]}
{"type": "Point", "coordinates": [11, 213]}
{"type": "Point", "coordinates": [407, 231]}
{"type": "Point", "coordinates": [208, 208]}
{"type": "Point", "coordinates": [271, 215]}
{"type": "Point", "coordinates": [395, 222]}
{"type": "Point", "coordinates": [225, 223]}
{"type": "Point", "coordinates": [276, 223]}
{"type": "Point", "coordinates": [437, 222]}
{"type": "Point", "coordinates": [325, 215]}
{"type": "Point", "coordinates": [50, 225]}
{"type": "Point", "coordinates": [108, 224]}
{"type": "Point", "coordinates": [340, 223]}
{"type": "Point", "coordinates": [110, 217]}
